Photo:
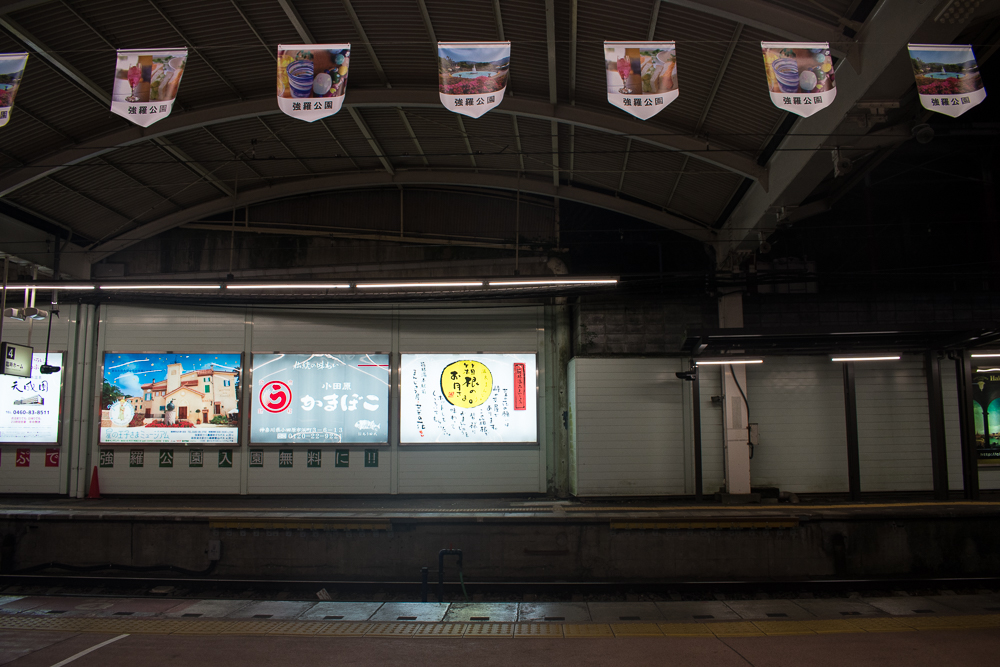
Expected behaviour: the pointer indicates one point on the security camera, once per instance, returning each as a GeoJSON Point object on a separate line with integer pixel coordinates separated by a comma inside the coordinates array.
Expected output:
{"type": "Point", "coordinates": [689, 376]}
{"type": "Point", "coordinates": [47, 369]}
{"type": "Point", "coordinates": [923, 133]}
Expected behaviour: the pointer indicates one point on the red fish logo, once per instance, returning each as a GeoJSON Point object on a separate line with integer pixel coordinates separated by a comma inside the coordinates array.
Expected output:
{"type": "Point", "coordinates": [275, 396]}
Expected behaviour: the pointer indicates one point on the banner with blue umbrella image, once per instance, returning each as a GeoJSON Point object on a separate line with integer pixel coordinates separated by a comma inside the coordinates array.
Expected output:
{"type": "Point", "coordinates": [800, 76]}
{"type": "Point", "coordinates": [312, 79]}
{"type": "Point", "coordinates": [641, 76]}
{"type": "Point", "coordinates": [146, 83]}
{"type": "Point", "coordinates": [472, 75]}
{"type": "Point", "coordinates": [11, 72]}
{"type": "Point", "coordinates": [947, 75]}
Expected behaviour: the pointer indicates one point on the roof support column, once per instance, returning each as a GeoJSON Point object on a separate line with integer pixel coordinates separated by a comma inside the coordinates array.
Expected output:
{"type": "Point", "coordinates": [735, 408]}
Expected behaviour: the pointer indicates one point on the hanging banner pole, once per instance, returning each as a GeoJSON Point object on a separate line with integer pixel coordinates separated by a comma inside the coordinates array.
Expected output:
{"type": "Point", "coordinates": [472, 76]}
{"type": "Point", "coordinates": [948, 79]}
{"type": "Point", "coordinates": [312, 79]}
{"type": "Point", "coordinates": [11, 71]}
{"type": "Point", "coordinates": [800, 76]}
{"type": "Point", "coordinates": [146, 83]}
{"type": "Point", "coordinates": [641, 76]}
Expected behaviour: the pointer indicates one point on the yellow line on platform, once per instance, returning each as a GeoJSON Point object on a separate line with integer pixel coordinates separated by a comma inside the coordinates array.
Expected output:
{"type": "Point", "coordinates": [499, 630]}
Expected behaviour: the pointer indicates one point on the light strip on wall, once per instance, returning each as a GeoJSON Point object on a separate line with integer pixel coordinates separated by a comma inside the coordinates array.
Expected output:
{"type": "Point", "coordinates": [723, 362]}
{"type": "Point", "coordinates": [865, 358]}
{"type": "Point", "coordinates": [51, 286]}
{"type": "Point", "coordinates": [391, 285]}
{"type": "Point", "coordinates": [293, 286]}
{"type": "Point", "coordinates": [515, 283]}
{"type": "Point", "coordinates": [159, 287]}
{"type": "Point", "coordinates": [980, 356]}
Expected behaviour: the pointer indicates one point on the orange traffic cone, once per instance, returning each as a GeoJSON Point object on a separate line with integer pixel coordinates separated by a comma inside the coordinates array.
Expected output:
{"type": "Point", "coordinates": [95, 487]}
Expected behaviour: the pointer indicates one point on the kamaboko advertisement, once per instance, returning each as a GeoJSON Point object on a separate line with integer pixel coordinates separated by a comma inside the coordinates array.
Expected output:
{"type": "Point", "coordinates": [157, 398]}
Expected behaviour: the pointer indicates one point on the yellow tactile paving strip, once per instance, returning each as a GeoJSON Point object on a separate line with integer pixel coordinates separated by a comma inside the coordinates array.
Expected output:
{"type": "Point", "coordinates": [525, 630]}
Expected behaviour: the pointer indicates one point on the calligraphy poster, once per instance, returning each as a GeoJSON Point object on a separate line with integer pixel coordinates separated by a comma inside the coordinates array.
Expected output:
{"type": "Point", "coordinates": [11, 72]}
{"type": "Point", "coordinates": [465, 398]}
{"type": "Point", "coordinates": [29, 407]}
{"type": "Point", "coordinates": [948, 79]}
{"type": "Point", "coordinates": [156, 398]}
{"type": "Point", "coordinates": [472, 75]}
{"type": "Point", "coordinates": [986, 411]}
{"type": "Point", "coordinates": [146, 83]}
{"type": "Point", "coordinates": [641, 76]}
{"type": "Point", "coordinates": [312, 79]}
{"type": "Point", "coordinates": [319, 399]}
{"type": "Point", "coordinates": [800, 76]}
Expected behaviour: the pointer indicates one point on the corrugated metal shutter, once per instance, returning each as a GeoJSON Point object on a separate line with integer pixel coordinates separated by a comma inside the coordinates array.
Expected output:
{"type": "Point", "coordinates": [712, 464]}
{"type": "Point", "coordinates": [798, 403]}
{"type": "Point", "coordinates": [628, 427]}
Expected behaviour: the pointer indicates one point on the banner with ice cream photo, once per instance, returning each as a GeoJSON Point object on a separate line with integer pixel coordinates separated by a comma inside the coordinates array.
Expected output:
{"type": "Point", "coordinates": [800, 76]}
{"type": "Point", "coordinates": [641, 76]}
{"type": "Point", "coordinates": [472, 75]}
{"type": "Point", "coordinates": [948, 79]}
{"type": "Point", "coordinates": [146, 83]}
{"type": "Point", "coordinates": [312, 79]}
{"type": "Point", "coordinates": [11, 72]}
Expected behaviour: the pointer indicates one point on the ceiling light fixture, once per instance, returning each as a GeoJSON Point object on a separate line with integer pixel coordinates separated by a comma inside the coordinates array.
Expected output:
{"type": "Point", "coordinates": [50, 287]}
{"type": "Point", "coordinates": [512, 283]}
{"type": "Point", "coordinates": [293, 286]}
{"type": "Point", "coordinates": [160, 287]}
{"type": "Point", "coordinates": [887, 358]}
{"type": "Point", "coordinates": [980, 356]}
{"type": "Point", "coordinates": [390, 285]}
{"type": "Point", "coordinates": [723, 362]}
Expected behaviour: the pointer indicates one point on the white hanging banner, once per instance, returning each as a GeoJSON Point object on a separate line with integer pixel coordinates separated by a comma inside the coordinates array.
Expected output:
{"type": "Point", "coordinates": [312, 79]}
{"type": "Point", "coordinates": [146, 83]}
{"type": "Point", "coordinates": [641, 76]}
{"type": "Point", "coordinates": [11, 72]}
{"type": "Point", "coordinates": [800, 76]}
{"type": "Point", "coordinates": [472, 75]}
{"type": "Point", "coordinates": [948, 79]}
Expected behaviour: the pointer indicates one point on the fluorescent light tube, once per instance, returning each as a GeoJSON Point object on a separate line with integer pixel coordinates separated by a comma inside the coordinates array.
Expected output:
{"type": "Point", "coordinates": [723, 362]}
{"type": "Point", "coordinates": [48, 286]}
{"type": "Point", "coordinates": [980, 356]}
{"type": "Point", "coordinates": [292, 286]}
{"type": "Point", "coordinates": [160, 287]}
{"type": "Point", "coordinates": [896, 358]}
{"type": "Point", "coordinates": [552, 282]}
{"type": "Point", "coordinates": [367, 285]}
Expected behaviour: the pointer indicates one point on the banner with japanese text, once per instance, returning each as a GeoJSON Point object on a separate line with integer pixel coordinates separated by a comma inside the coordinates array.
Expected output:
{"type": "Point", "coordinates": [472, 75]}
{"type": "Point", "coordinates": [29, 406]}
{"type": "Point", "coordinates": [800, 76]}
{"type": "Point", "coordinates": [641, 76]}
{"type": "Point", "coordinates": [948, 79]}
{"type": "Point", "coordinates": [312, 79]}
{"type": "Point", "coordinates": [146, 83]}
{"type": "Point", "coordinates": [320, 399]}
{"type": "Point", "coordinates": [11, 72]}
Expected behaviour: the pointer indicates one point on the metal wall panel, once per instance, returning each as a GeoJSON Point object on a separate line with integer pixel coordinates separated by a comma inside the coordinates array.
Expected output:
{"type": "Point", "coordinates": [470, 330]}
{"type": "Point", "coordinates": [315, 330]}
{"type": "Point", "coordinates": [34, 478]}
{"type": "Point", "coordinates": [712, 464]}
{"type": "Point", "coordinates": [181, 478]}
{"type": "Point", "coordinates": [952, 431]}
{"type": "Point", "coordinates": [462, 469]}
{"type": "Point", "coordinates": [129, 328]}
{"type": "Point", "coordinates": [798, 403]}
{"type": "Point", "coordinates": [894, 426]}
{"type": "Point", "coordinates": [325, 479]}
{"type": "Point", "coordinates": [629, 427]}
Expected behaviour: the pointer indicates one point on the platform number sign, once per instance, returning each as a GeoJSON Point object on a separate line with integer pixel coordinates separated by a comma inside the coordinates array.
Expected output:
{"type": "Point", "coordinates": [225, 458]}
{"type": "Point", "coordinates": [343, 459]}
{"type": "Point", "coordinates": [107, 459]}
{"type": "Point", "coordinates": [256, 458]}
{"type": "Point", "coordinates": [166, 458]}
{"type": "Point", "coordinates": [371, 458]}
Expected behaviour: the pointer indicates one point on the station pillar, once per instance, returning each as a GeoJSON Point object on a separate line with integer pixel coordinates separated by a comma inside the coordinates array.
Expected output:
{"type": "Point", "coordinates": [735, 412]}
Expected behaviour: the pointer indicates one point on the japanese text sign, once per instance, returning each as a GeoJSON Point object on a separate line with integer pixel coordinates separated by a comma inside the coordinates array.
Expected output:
{"type": "Point", "coordinates": [800, 76]}
{"type": "Point", "coordinates": [641, 76]}
{"type": "Point", "coordinates": [11, 72]}
{"type": "Point", "coordinates": [29, 406]}
{"type": "Point", "coordinates": [948, 79]}
{"type": "Point", "coordinates": [319, 399]}
{"type": "Point", "coordinates": [146, 83]}
{"type": "Point", "coordinates": [312, 79]}
{"type": "Point", "coordinates": [472, 76]}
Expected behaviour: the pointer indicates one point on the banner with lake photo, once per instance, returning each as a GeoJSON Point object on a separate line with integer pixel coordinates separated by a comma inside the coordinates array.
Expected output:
{"type": "Point", "coordinates": [800, 76]}
{"type": "Point", "coordinates": [948, 79]}
{"type": "Point", "coordinates": [641, 76]}
{"type": "Point", "coordinates": [312, 79]}
{"type": "Point", "coordinates": [146, 83]}
{"type": "Point", "coordinates": [11, 72]}
{"type": "Point", "coordinates": [472, 75]}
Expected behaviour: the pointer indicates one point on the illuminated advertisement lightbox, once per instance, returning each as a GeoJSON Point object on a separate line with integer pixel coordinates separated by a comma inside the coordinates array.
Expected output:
{"type": "Point", "coordinates": [319, 399]}
{"type": "Point", "coordinates": [455, 398]}
{"type": "Point", "coordinates": [29, 406]}
{"type": "Point", "coordinates": [154, 398]}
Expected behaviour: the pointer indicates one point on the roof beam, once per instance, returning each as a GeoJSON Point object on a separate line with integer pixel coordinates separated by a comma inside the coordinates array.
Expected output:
{"type": "Point", "coordinates": [256, 34]}
{"type": "Point", "coordinates": [497, 17]}
{"type": "Point", "coordinates": [413, 135]}
{"type": "Point", "coordinates": [611, 122]}
{"type": "Point", "coordinates": [368, 45]}
{"type": "Point", "coordinates": [465, 137]}
{"type": "Point", "coordinates": [297, 22]}
{"type": "Point", "coordinates": [370, 137]}
{"type": "Point", "coordinates": [405, 178]}
{"type": "Point", "coordinates": [550, 41]}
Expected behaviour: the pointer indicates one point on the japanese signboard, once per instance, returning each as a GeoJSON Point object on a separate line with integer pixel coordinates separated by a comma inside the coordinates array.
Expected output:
{"type": "Point", "coordinates": [312, 79]}
{"type": "Point", "coordinates": [146, 83]}
{"type": "Point", "coordinates": [17, 359]}
{"type": "Point", "coordinates": [11, 72]}
{"type": "Point", "coordinates": [319, 399]}
{"type": "Point", "coordinates": [153, 398]}
{"type": "Point", "coordinates": [472, 75]}
{"type": "Point", "coordinates": [456, 398]}
{"type": "Point", "coordinates": [800, 76]}
{"type": "Point", "coordinates": [948, 79]}
{"type": "Point", "coordinates": [641, 76]}
{"type": "Point", "coordinates": [986, 411]}
{"type": "Point", "coordinates": [29, 406]}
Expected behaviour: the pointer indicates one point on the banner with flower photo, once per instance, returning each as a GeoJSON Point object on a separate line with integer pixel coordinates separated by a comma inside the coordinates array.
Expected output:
{"type": "Point", "coordinates": [641, 76]}
{"type": "Point", "coordinates": [312, 79]}
{"type": "Point", "coordinates": [472, 75]}
{"type": "Point", "coordinates": [800, 76]}
{"type": "Point", "coordinates": [11, 72]}
{"type": "Point", "coordinates": [948, 79]}
{"type": "Point", "coordinates": [146, 83]}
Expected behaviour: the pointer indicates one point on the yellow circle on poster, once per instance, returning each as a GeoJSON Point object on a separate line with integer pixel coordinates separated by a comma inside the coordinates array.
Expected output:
{"type": "Point", "coordinates": [466, 384]}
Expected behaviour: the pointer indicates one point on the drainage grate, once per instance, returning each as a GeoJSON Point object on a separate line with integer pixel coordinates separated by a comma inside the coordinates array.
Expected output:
{"type": "Point", "coordinates": [263, 615]}
{"type": "Point", "coordinates": [190, 615]}
{"type": "Point", "coordinates": [406, 618]}
{"type": "Point", "coordinates": [777, 615]}
{"type": "Point", "coordinates": [479, 618]}
{"type": "Point", "coordinates": [703, 616]}
{"type": "Point", "coordinates": [923, 611]}
{"type": "Point", "coordinates": [332, 618]}
{"type": "Point", "coordinates": [555, 618]}
{"type": "Point", "coordinates": [123, 613]}
{"type": "Point", "coordinates": [850, 613]}
{"type": "Point", "coordinates": [629, 618]}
